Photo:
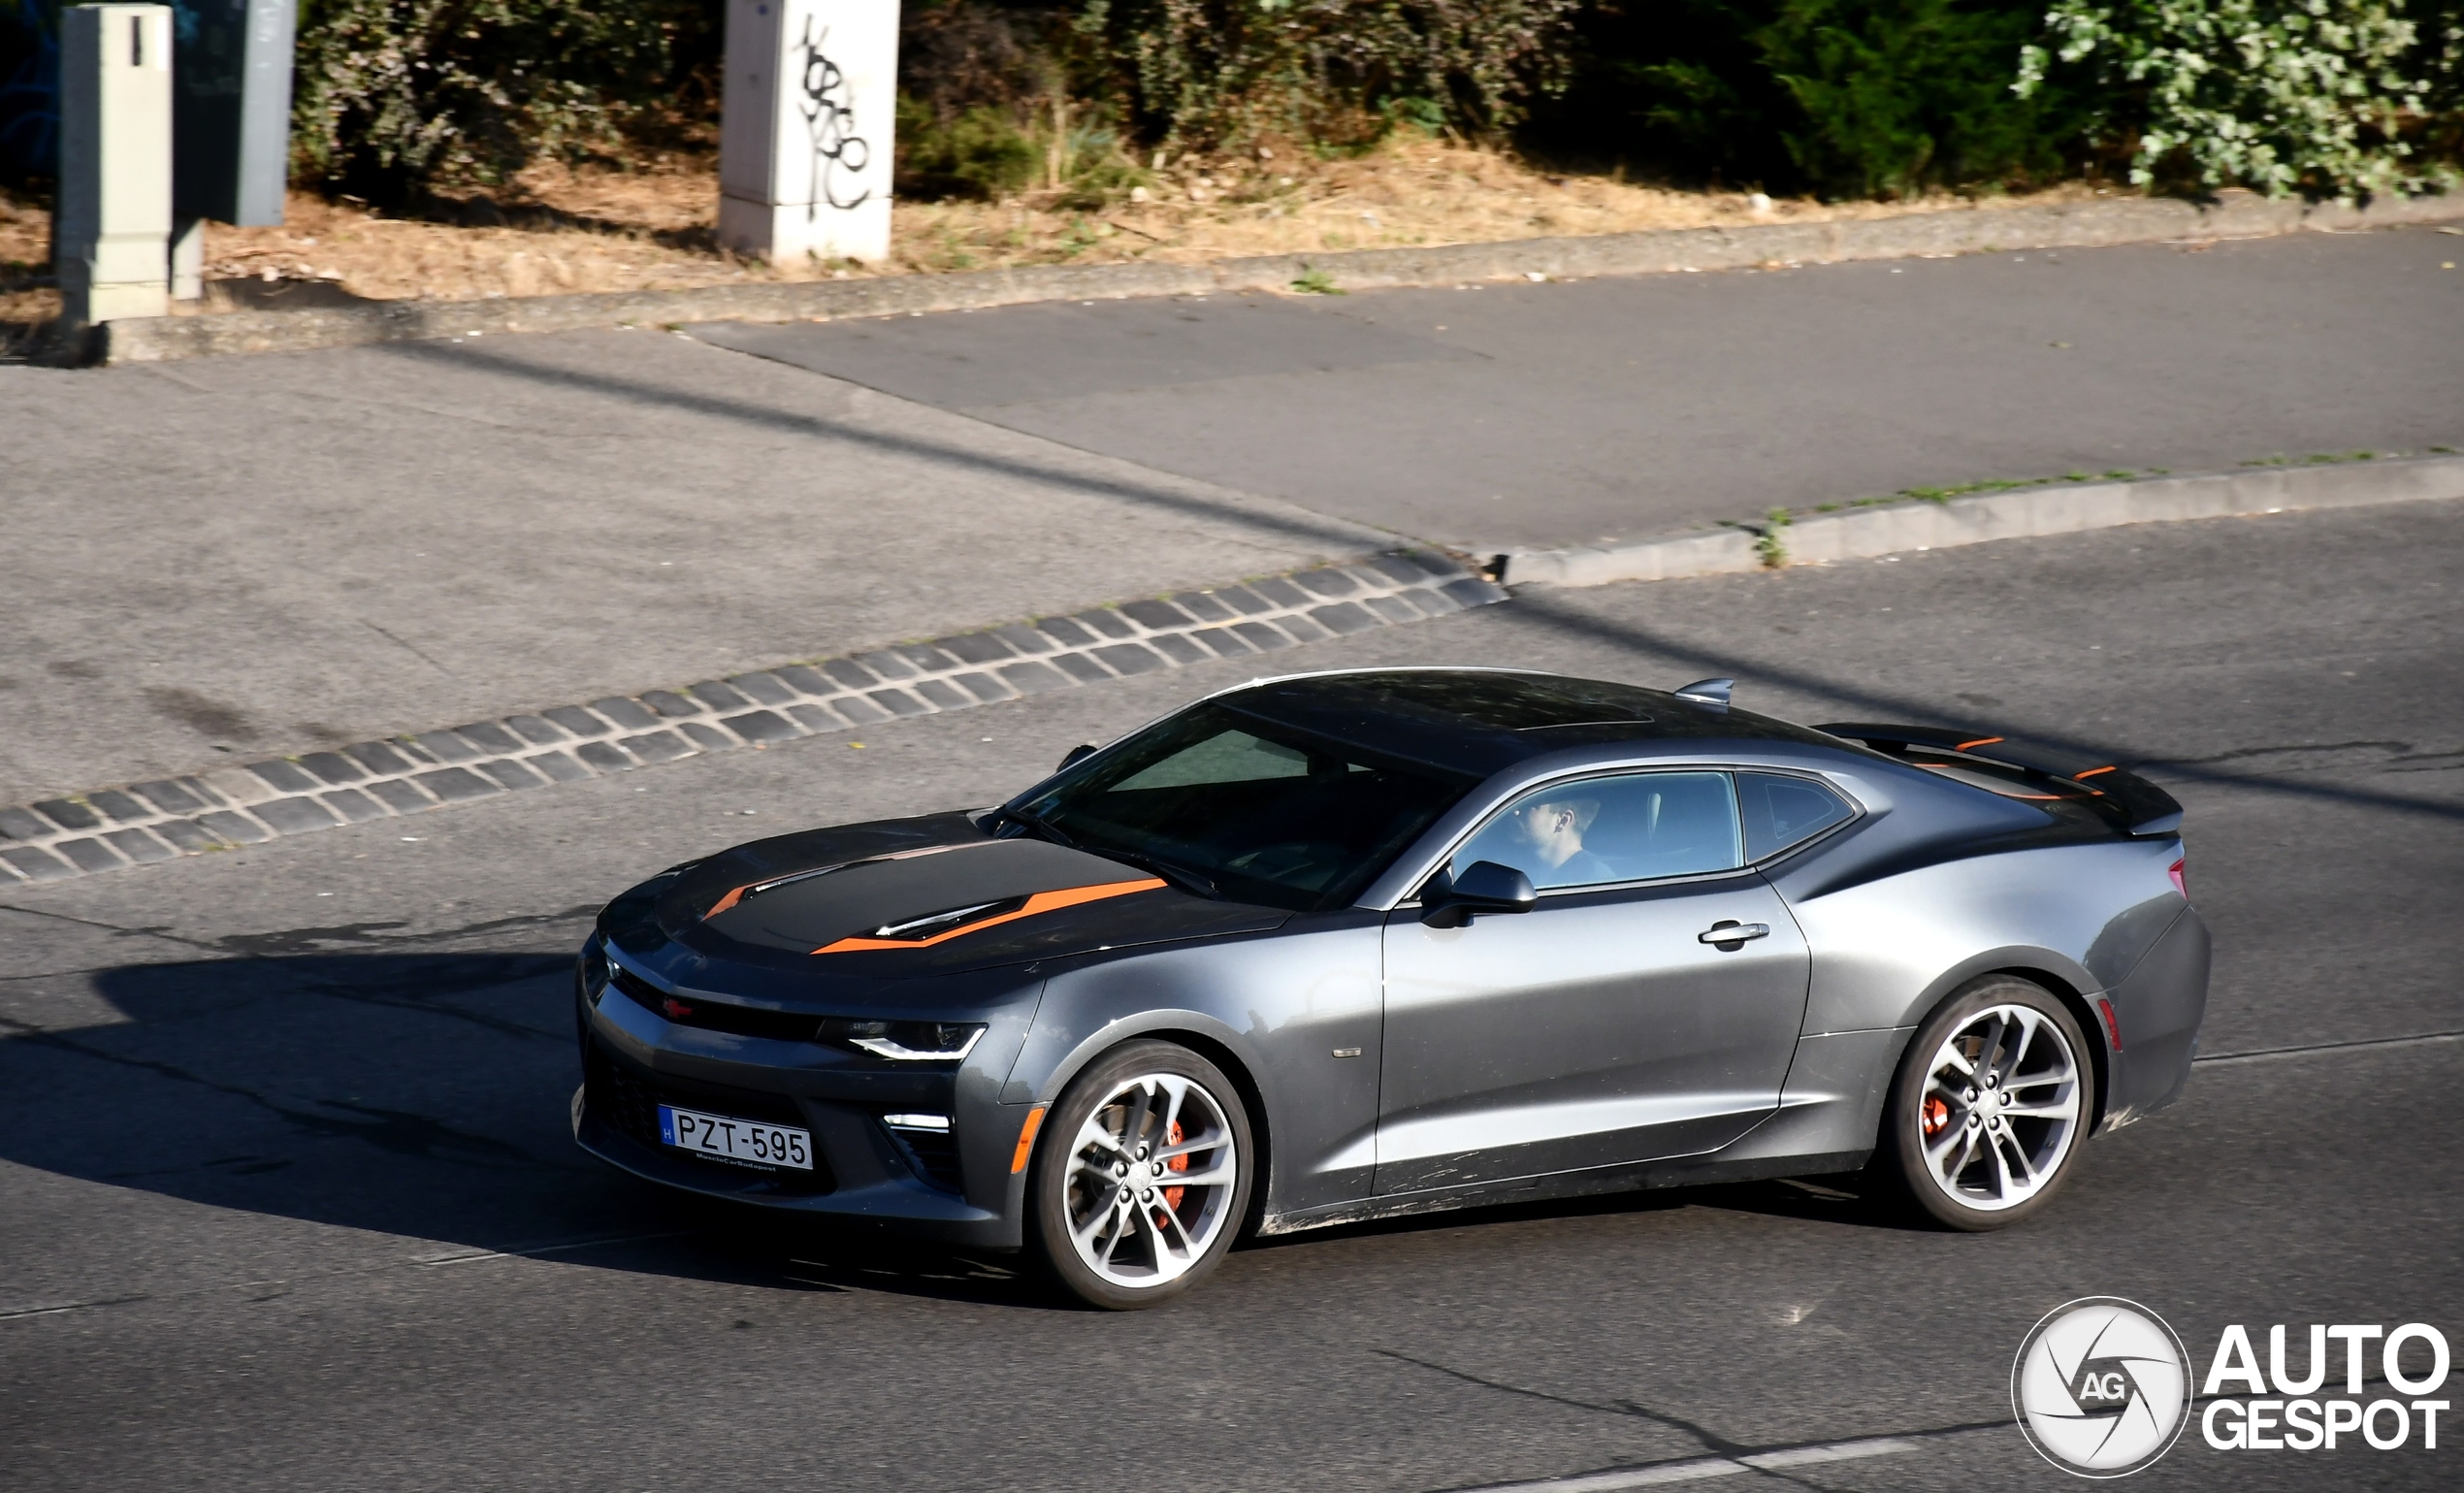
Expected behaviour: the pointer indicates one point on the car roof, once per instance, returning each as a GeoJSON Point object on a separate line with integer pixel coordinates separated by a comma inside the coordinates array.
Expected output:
{"type": "Point", "coordinates": [1482, 721]}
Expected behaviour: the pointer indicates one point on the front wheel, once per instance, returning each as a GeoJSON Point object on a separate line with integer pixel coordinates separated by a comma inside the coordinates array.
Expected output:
{"type": "Point", "coordinates": [1141, 1178]}
{"type": "Point", "coordinates": [1989, 1106]}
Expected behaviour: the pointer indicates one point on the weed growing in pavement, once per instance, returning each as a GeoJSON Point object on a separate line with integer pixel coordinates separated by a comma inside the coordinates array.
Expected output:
{"type": "Point", "coordinates": [1315, 282]}
{"type": "Point", "coordinates": [1768, 544]}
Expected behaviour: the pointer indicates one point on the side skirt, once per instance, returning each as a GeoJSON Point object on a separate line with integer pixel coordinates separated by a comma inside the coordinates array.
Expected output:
{"type": "Point", "coordinates": [1690, 1172]}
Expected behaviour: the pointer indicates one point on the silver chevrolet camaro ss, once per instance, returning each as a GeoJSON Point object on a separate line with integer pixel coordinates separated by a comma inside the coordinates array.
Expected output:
{"type": "Point", "coordinates": [1338, 946]}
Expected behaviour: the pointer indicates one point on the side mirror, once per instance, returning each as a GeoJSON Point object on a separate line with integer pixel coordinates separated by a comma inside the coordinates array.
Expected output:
{"type": "Point", "coordinates": [1076, 755]}
{"type": "Point", "coordinates": [1485, 887]}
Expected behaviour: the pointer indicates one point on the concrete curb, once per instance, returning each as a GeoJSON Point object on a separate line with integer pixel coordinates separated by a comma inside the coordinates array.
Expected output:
{"type": "Point", "coordinates": [2069, 225]}
{"type": "Point", "coordinates": [109, 829]}
{"type": "Point", "coordinates": [2068, 508]}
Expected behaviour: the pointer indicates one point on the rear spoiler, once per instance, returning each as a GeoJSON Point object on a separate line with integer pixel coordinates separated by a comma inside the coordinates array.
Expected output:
{"type": "Point", "coordinates": [2128, 801]}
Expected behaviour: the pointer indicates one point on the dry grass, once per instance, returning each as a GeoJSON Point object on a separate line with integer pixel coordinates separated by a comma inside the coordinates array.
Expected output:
{"type": "Point", "coordinates": [559, 229]}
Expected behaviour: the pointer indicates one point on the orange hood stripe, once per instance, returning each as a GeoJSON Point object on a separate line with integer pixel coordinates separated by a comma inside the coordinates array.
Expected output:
{"type": "Point", "coordinates": [1040, 902]}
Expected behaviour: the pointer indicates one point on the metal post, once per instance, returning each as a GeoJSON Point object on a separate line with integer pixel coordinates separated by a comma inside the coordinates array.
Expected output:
{"type": "Point", "coordinates": [232, 103]}
{"type": "Point", "coordinates": [113, 231]}
{"type": "Point", "coordinates": [805, 139]}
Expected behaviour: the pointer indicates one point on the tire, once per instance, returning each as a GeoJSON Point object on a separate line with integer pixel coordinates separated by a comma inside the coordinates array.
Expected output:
{"type": "Point", "coordinates": [1121, 1245]}
{"type": "Point", "coordinates": [1961, 1152]}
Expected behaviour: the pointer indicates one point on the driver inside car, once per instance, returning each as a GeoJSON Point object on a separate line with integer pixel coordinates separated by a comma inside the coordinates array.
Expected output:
{"type": "Point", "coordinates": [1549, 834]}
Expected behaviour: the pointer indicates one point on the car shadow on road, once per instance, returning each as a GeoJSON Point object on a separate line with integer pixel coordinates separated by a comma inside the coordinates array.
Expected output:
{"type": "Point", "coordinates": [419, 1094]}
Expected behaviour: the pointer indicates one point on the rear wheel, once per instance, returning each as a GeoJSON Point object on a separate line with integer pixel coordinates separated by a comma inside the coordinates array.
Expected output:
{"type": "Point", "coordinates": [1990, 1105]}
{"type": "Point", "coordinates": [1140, 1177]}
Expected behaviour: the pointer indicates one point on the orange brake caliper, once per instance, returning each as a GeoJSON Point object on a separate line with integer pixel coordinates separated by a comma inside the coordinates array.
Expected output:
{"type": "Point", "coordinates": [1172, 1195]}
{"type": "Point", "coordinates": [1936, 1114]}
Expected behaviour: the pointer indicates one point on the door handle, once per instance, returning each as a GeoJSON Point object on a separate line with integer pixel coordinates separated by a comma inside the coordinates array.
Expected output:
{"type": "Point", "coordinates": [1732, 935]}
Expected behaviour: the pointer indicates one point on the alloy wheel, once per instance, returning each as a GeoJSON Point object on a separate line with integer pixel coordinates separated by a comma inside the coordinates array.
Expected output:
{"type": "Point", "coordinates": [1152, 1182]}
{"type": "Point", "coordinates": [2001, 1107]}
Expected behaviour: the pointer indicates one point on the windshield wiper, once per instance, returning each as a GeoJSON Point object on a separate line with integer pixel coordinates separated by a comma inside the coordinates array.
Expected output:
{"type": "Point", "coordinates": [1043, 827]}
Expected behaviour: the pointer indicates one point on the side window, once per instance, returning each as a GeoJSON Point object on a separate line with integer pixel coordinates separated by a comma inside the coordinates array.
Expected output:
{"type": "Point", "coordinates": [1634, 828]}
{"type": "Point", "coordinates": [1782, 811]}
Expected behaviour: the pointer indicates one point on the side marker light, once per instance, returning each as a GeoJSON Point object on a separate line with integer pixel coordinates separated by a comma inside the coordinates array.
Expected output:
{"type": "Point", "coordinates": [2181, 883]}
{"type": "Point", "coordinates": [1027, 1140]}
{"type": "Point", "coordinates": [2113, 1023]}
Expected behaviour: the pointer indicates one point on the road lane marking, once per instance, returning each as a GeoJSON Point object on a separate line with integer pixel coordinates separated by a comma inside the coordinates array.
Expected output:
{"type": "Point", "coordinates": [2283, 1054]}
{"type": "Point", "coordinates": [1698, 1469]}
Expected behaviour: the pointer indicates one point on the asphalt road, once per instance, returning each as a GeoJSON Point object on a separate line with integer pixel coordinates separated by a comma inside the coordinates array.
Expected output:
{"type": "Point", "coordinates": [286, 1199]}
{"type": "Point", "coordinates": [1534, 415]}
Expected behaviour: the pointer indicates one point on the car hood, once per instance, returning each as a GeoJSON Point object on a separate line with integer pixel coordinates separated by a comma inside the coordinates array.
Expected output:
{"type": "Point", "coordinates": [858, 905]}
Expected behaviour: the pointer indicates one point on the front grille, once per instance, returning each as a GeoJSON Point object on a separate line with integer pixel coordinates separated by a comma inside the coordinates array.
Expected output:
{"type": "Point", "coordinates": [714, 1014]}
{"type": "Point", "coordinates": [934, 1155]}
{"type": "Point", "coordinates": [629, 1099]}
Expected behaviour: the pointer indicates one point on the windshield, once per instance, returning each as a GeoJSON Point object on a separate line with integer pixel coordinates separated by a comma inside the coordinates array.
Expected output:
{"type": "Point", "coordinates": [1264, 813]}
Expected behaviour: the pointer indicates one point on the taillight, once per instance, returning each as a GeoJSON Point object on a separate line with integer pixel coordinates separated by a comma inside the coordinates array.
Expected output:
{"type": "Point", "coordinates": [2179, 885]}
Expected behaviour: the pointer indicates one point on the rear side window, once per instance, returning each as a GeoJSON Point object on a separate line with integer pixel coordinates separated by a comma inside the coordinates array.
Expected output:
{"type": "Point", "coordinates": [1784, 811]}
{"type": "Point", "coordinates": [1600, 830]}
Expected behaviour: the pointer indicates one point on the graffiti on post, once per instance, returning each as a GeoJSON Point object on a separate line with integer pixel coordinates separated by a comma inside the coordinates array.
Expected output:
{"type": "Point", "coordinates": [828, 104]}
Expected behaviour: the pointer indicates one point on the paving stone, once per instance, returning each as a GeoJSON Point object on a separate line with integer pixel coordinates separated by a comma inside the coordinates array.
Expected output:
{"type": "Point", "coordinates": [297, 815]}
{"type": "Point", "coordinates": [186, 836]}
{"type": "Point", "coordinates": [446, 747]}
{"type": "Point", "coordinates": [1393, 609]}
{"type": "Point", "coordinates": [984, 687]}
{"type": "Point", "coordinates": [1261, 635]}
{"type": "Point", "coordinates": [763, 689]}
{"type": "Point", "coordinates": [1224, 641]}
{"type": "Point", "coordinates": [511, 772]}
{"type": "Point", "coordinates": [1203, 605]}
{"type": "Point", "coordinates": [1067, 632]}
{"type": "Point", "coordinates": [978, 648]}
{"type": "Point", "coordinates": [811, 680]}
{"type": "Point", "coordinates": [532, 729]}
{"type": "Point", "coordinates": [1326, 581]}
{"type": "Point", "coordinates": [69, 815]}
{"type": "Point", "coordinates": [719, 696]}
{"type": "Point", "coordinates": [1281, 592]}
{"type": "Point", "coordinates": [285, 777]}
{"type": "Point", "coordinates": [141, 847]}
{"type": "Point", "coordinates": [37, 864]}
{"type": "Point", "coordinates": [119, 807]}
{"type": "Point", "coordinates": [456, 785]}
{"type": "Point", "coordinates": [355, 807]}
{"type": "Point", "coordinates": [1343, 617]}
{"type": "Point", "coordinates": [235, 828]}
{"type": "Point", "coordinates": [24, 825]}
{"type": "Point", "coordinates": [1397, 568]}
{"type": "Point", "coordinates": [927, 656]}
{"type": "Point", "coordinates": [670, 703]}
{"type": "Point", "coordinates": [378, 758]}
{"type": "Point", "coordinates": [1303, 630]}
{"type": "Point", "coordinates": [658, 746]}
{"type": "Point", "coordinates": [401, 796]}
{"type": "Point", "coordinates": [708, 737]}
{"type": "Point", "coordinates": [1081, 668]}
{"type": "Point", "coordinates": [859, 709]}
{"type": "Point", "coordinates": [898, 703]}
{"type": "Point", "coordinates": [10, 875]}
{"type": "Point", "coordinates": [1431, 601]}
{"type": "Point", "coordinates": [603, 756]}
{"type": "Point", "coordinates": [168, 797]}
{"type": "Point", "coordinates": [849, 672]}
{"type": "Point", "coordinates": [88, 855]}
{"type": "Point", "coordinates": [1026, 640]}
{"type": "Point", "coordinates": [1471, 591]}
{"type": "Point", "coordinates": [580, 722]}
{"type": "Point", "coordinates": [1131, 658]}
{"type": "Point", "coordinates": [1244, 601]}
{"type": "Point", "coordinates": [763, 726]}
{"type": "Point", "coordinates": [817, 718]}
{"type": "Point", "coordinates": [489, 738]}
{"type": "Point", "coordinates": [332, 766]}
{"type": "Point", "coordinates": [887, 663]}
{"type": "Point", "coordinates": [1109, 623]}
{"type": "Point", "coordinates": [419, 756]}
{"type": "Point", "coordinates": [627, 714]}
{"type": "Point", "coordinates": [559, 767]}
{"type": "Point", "coordinates": [238, 788]}
{"type": "Point", "coordinates": [1033, 677]}
{"type": "Point", "coordinates": [1158, 615]}
{"type": "Point", "coordinates": [943, 694]}
{"type": "Point", "coordinates": [1179, 649]}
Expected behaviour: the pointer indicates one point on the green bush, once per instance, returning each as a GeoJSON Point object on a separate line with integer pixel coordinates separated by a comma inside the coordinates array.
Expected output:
{"type": "Point", "coordinates": [981, 152]}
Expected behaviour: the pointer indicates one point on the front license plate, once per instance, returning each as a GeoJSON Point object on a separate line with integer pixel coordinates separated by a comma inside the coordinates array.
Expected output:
{"type": "Point", "coordinates": [736, 1139]}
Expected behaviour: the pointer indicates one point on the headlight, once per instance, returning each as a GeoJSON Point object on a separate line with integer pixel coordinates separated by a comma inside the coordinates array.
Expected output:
{"type": "Point", "coordinates": [906, 1040]}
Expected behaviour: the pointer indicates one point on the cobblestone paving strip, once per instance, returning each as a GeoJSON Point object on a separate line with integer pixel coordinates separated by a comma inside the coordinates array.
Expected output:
{"type": "Point", "coordinates": [139, 823]}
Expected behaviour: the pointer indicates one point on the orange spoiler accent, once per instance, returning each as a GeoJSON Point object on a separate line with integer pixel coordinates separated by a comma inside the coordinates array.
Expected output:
{"type": "Point", "coordinates": [1027, 1140]}
{"type": "Point", "coordinates": [2090, 773]}
{"type": "Point", "coordinates": [1040, 902]}
{"type": "Point", "coordinates": [1978, 742]}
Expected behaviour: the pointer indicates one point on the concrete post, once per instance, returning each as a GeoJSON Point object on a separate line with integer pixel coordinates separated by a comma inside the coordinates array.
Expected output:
{"type": "Point", "coordinates": [232, 103]}
{"type": "Point", "coordinates": [113, 236]}
{"type": "Point", "coordinates": [804, 142]}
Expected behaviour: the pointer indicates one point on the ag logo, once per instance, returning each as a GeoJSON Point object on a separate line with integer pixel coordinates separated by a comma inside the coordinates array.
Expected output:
{"type": "Point", "coordinates": [2101, 1387]}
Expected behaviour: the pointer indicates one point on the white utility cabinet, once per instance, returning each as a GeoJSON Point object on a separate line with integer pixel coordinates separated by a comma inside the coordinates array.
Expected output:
{"type": "Point", "coordinates": [804, 142]}
{"type": "Point", "coordinates": [115, 227]}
